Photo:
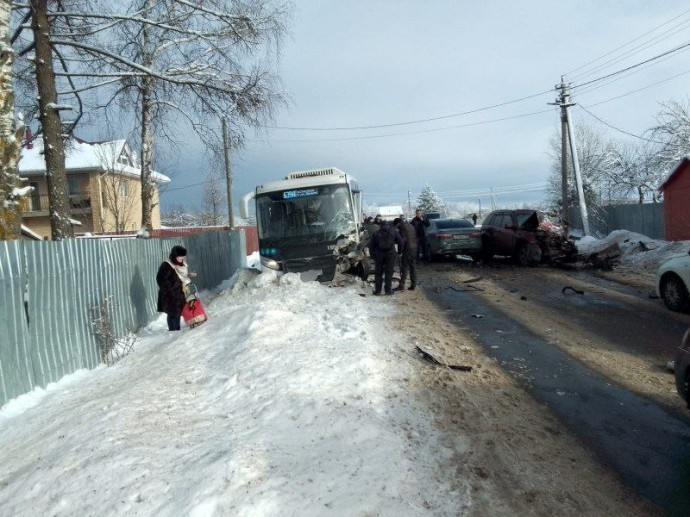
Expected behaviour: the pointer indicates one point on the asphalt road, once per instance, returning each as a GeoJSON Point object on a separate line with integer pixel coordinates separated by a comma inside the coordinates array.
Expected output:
{"type": "Point", "coordinates": [645, 442]}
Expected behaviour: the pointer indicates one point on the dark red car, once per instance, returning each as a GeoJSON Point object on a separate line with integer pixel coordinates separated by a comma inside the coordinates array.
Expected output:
{"type": "Point", "coordinates": [526, 235]}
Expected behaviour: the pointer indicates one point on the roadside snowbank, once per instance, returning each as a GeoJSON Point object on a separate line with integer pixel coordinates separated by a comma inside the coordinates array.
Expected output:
{"type": "Point", "coordinates": [272, 407]}
{"type": "Point", "coordinates": [637, 251]}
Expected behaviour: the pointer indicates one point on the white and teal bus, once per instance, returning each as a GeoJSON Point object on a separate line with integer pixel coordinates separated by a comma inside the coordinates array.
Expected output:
{"type": "Point", "coordinates": [310, 221]}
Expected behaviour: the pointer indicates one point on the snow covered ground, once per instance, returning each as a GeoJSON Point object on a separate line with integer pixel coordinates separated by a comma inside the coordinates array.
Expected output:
{"type": "Point", "coordinates": [272, 407]}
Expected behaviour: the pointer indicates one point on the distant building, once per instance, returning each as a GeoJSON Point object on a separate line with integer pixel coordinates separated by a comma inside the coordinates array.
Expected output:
{"type": "Point", "coordinates": [104, 182]}
{"type": "Point", "coordinates": [676, 190]}
{"type": "Point", "coordinates": [388, 213]}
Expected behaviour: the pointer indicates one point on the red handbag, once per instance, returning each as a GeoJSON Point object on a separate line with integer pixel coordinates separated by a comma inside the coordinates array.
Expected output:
{"type": "Point", "coordinates": [193, 313]}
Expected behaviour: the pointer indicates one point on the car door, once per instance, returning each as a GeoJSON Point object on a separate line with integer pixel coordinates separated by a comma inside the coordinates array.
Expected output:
{"type": "Point", "coordinates": [505, 235]}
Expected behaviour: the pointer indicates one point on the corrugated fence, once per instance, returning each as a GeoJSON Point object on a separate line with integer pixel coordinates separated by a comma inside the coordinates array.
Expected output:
{"type": "Point", "coordinates": [49, 289]}
{"type": "Point", "coordinates": [647, 219]}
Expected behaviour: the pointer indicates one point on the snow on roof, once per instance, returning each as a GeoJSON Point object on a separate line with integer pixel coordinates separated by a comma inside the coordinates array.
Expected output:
{"type": "Point", "coordinates": [86, 156]}
{"type": "Point", "coordinates": [673, 172]}
{"type": "Point", "coordinates": [28, 232]}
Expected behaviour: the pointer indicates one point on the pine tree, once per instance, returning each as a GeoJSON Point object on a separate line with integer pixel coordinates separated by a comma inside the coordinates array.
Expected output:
{"type": "Point", "coordinates": [428, 201]}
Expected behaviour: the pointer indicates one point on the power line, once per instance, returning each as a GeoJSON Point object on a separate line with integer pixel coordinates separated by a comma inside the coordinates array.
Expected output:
{"type": "Point", "coordinates": [591, 88]}
{"type": "Point", "coordinates": [482, 122]}
{"type": "Point", "coordinates": [628, 43]}
{"type": "Point", "coordinates": [409, 122]}
{"type": "Point", "coordinates": [616, 128]}
{"type": "Point", "coordinates": [676, 49]}
{"type": "Point", "coordinates": [681, 27]}
{"type": "Point", "coordinates": [640, 89]}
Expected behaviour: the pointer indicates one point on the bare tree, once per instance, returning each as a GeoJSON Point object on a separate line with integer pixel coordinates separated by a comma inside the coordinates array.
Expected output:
{"type": "Point", "coordinates": [184, 58]}
{"type": "Point", "coordinates": [633, 171]}
{"type": "Point", "coordinates": [118, 191]}
{"type": "Point", "coordinates": [595, 157]}
{"type": "Point", "coordinates": [53, 145]}
{"type": "Point", "coordinates": [10, 137]}
{"type": "Point", "coordinates": [179, 215]}
{"type": "Point", "coordinates": [672, 132]}
{"type": "Point", "coordinates": [214, 203]}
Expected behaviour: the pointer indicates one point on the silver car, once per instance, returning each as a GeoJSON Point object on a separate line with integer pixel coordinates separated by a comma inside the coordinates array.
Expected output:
{"type": "Point", "coordinates": [673, 281]}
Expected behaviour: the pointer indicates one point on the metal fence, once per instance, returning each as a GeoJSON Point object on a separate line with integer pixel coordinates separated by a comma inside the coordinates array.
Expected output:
{"type": "Point", "coordinates": [49, 290]}
{"type": "Point", "coordinates": [645, 218]}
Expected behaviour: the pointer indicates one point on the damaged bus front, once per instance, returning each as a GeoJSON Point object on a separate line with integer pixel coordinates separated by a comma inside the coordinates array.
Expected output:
{"type": "Point", "coordinates": [310, 221]}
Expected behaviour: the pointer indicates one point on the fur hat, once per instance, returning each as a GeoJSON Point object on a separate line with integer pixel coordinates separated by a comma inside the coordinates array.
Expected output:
{"type": "Point", "coordinates": [177, 251]}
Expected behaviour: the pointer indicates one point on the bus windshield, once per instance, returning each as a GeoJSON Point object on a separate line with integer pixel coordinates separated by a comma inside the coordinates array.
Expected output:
{"type": "Point", "coordinates": [311, 213]}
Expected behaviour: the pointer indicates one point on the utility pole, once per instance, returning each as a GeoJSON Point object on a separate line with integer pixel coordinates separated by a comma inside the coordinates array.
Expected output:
{"type": "Point", "coordinates": [567, 134]}
{"type": "Point", "coordinates": [228, 172]}
{"type": "Point", "coordinates": [479, 200]}
{"type": "Point", "coordinates": [409, 202]}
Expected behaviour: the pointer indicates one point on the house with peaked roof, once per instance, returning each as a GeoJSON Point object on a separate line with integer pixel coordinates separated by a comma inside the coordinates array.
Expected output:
{"type": "Point", "coordinates": [104, 182]}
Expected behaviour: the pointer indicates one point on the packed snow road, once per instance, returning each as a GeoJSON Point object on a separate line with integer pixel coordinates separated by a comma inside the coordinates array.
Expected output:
{"type": "Point", "coordinates": [594, 352]}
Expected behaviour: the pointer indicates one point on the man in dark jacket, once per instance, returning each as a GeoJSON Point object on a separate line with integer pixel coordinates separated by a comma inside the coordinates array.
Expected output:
{"type": "Point", "coordinates": [421, 223]}
{"type": "Point", "coordinates": [408, 257]}
{"type": "Point", "coordinates": [382, 248]}
{"type": "Point", "coordinates": [171, 297]}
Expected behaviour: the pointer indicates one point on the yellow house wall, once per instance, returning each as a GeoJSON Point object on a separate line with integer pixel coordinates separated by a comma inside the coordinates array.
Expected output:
{"type": "Point", "coordinates": [100, 219]}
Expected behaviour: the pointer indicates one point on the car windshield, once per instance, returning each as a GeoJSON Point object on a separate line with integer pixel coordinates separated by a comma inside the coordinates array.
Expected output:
{"type": "Point", "coordinates": [314, 213]}
{"type": "Point", "coordinates": [446, 224]}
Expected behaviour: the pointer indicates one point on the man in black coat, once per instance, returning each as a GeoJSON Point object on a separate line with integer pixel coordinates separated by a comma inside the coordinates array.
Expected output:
{"type": "Point", "coordinates": [383, 248]}
{"type": "Point", "coordinates": [171, 297]}
{"type": "Point", "coordinates": [421, 223]}
{"type": "Point", "coordinates": [408, 256]}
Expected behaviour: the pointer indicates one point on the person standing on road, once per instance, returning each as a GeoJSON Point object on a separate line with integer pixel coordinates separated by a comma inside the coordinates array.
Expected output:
{"type": "Point", "coordinates": [474, 219]}
{"type": "Point", "coordinates": [172, 277]}
{"type": "Point", "coordinates": [382, 248]}
{"type": "Point", "coordinates": [421, 223]}
{"type": "Point", "coordinates": [408, 258]}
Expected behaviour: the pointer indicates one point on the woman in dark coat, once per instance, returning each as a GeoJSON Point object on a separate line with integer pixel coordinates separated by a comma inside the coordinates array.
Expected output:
{"type": "Point", "coordinates": [171, 297]}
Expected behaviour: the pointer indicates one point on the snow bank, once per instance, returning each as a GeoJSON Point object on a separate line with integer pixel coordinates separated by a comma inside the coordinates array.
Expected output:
{"type": "Point", "coordinates": [637, 251]}
{"type": "Point", "coordinates": [291, 400]}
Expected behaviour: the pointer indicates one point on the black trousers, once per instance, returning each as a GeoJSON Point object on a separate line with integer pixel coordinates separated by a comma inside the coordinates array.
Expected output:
{"type": "Point", "coordinates": [383, 272]}
{"type": "Point", "coordinates": [174, 321]}
{"type": "Point", "coordinates": [408, 263]}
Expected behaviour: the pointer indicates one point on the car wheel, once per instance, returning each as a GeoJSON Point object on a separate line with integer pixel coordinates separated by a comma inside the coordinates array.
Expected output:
{"type": "Point", "coordinates": [527, 254]}
{"type": "Point", "coordinates": [487, 251]}
{"type": "Point", "coordinates": [675, 294]}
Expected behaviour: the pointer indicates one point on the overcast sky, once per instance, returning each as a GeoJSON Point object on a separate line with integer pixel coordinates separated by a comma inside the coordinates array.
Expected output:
{"type": "Point", "coordinates": [374, 63]}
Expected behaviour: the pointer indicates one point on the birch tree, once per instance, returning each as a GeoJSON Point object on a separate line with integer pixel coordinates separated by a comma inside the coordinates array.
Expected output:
{"type": "Point", "coordinates": [10, 137]}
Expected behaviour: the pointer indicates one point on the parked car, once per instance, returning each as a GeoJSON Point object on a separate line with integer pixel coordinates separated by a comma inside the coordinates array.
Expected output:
{"type": "Point", "coordinates": [526, 235]}
{"type": "Point", "coordinates": [451, 236]}
{"type": "Point", "coordinates": [681, 368]}
{"type": "Point", "coordinates": [672, 282]}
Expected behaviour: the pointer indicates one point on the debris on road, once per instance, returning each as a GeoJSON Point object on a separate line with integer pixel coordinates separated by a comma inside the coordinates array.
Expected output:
{"type": "Point", "coordinates": [428, 357]}
{"type": "Point", "coordinates": [570, 288]}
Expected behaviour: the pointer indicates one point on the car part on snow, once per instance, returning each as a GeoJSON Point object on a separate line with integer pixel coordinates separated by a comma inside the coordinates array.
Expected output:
{"type": "Point", "coordinates": [428, 357]}
{"type": "Point", "coordinates": [569, 288]}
